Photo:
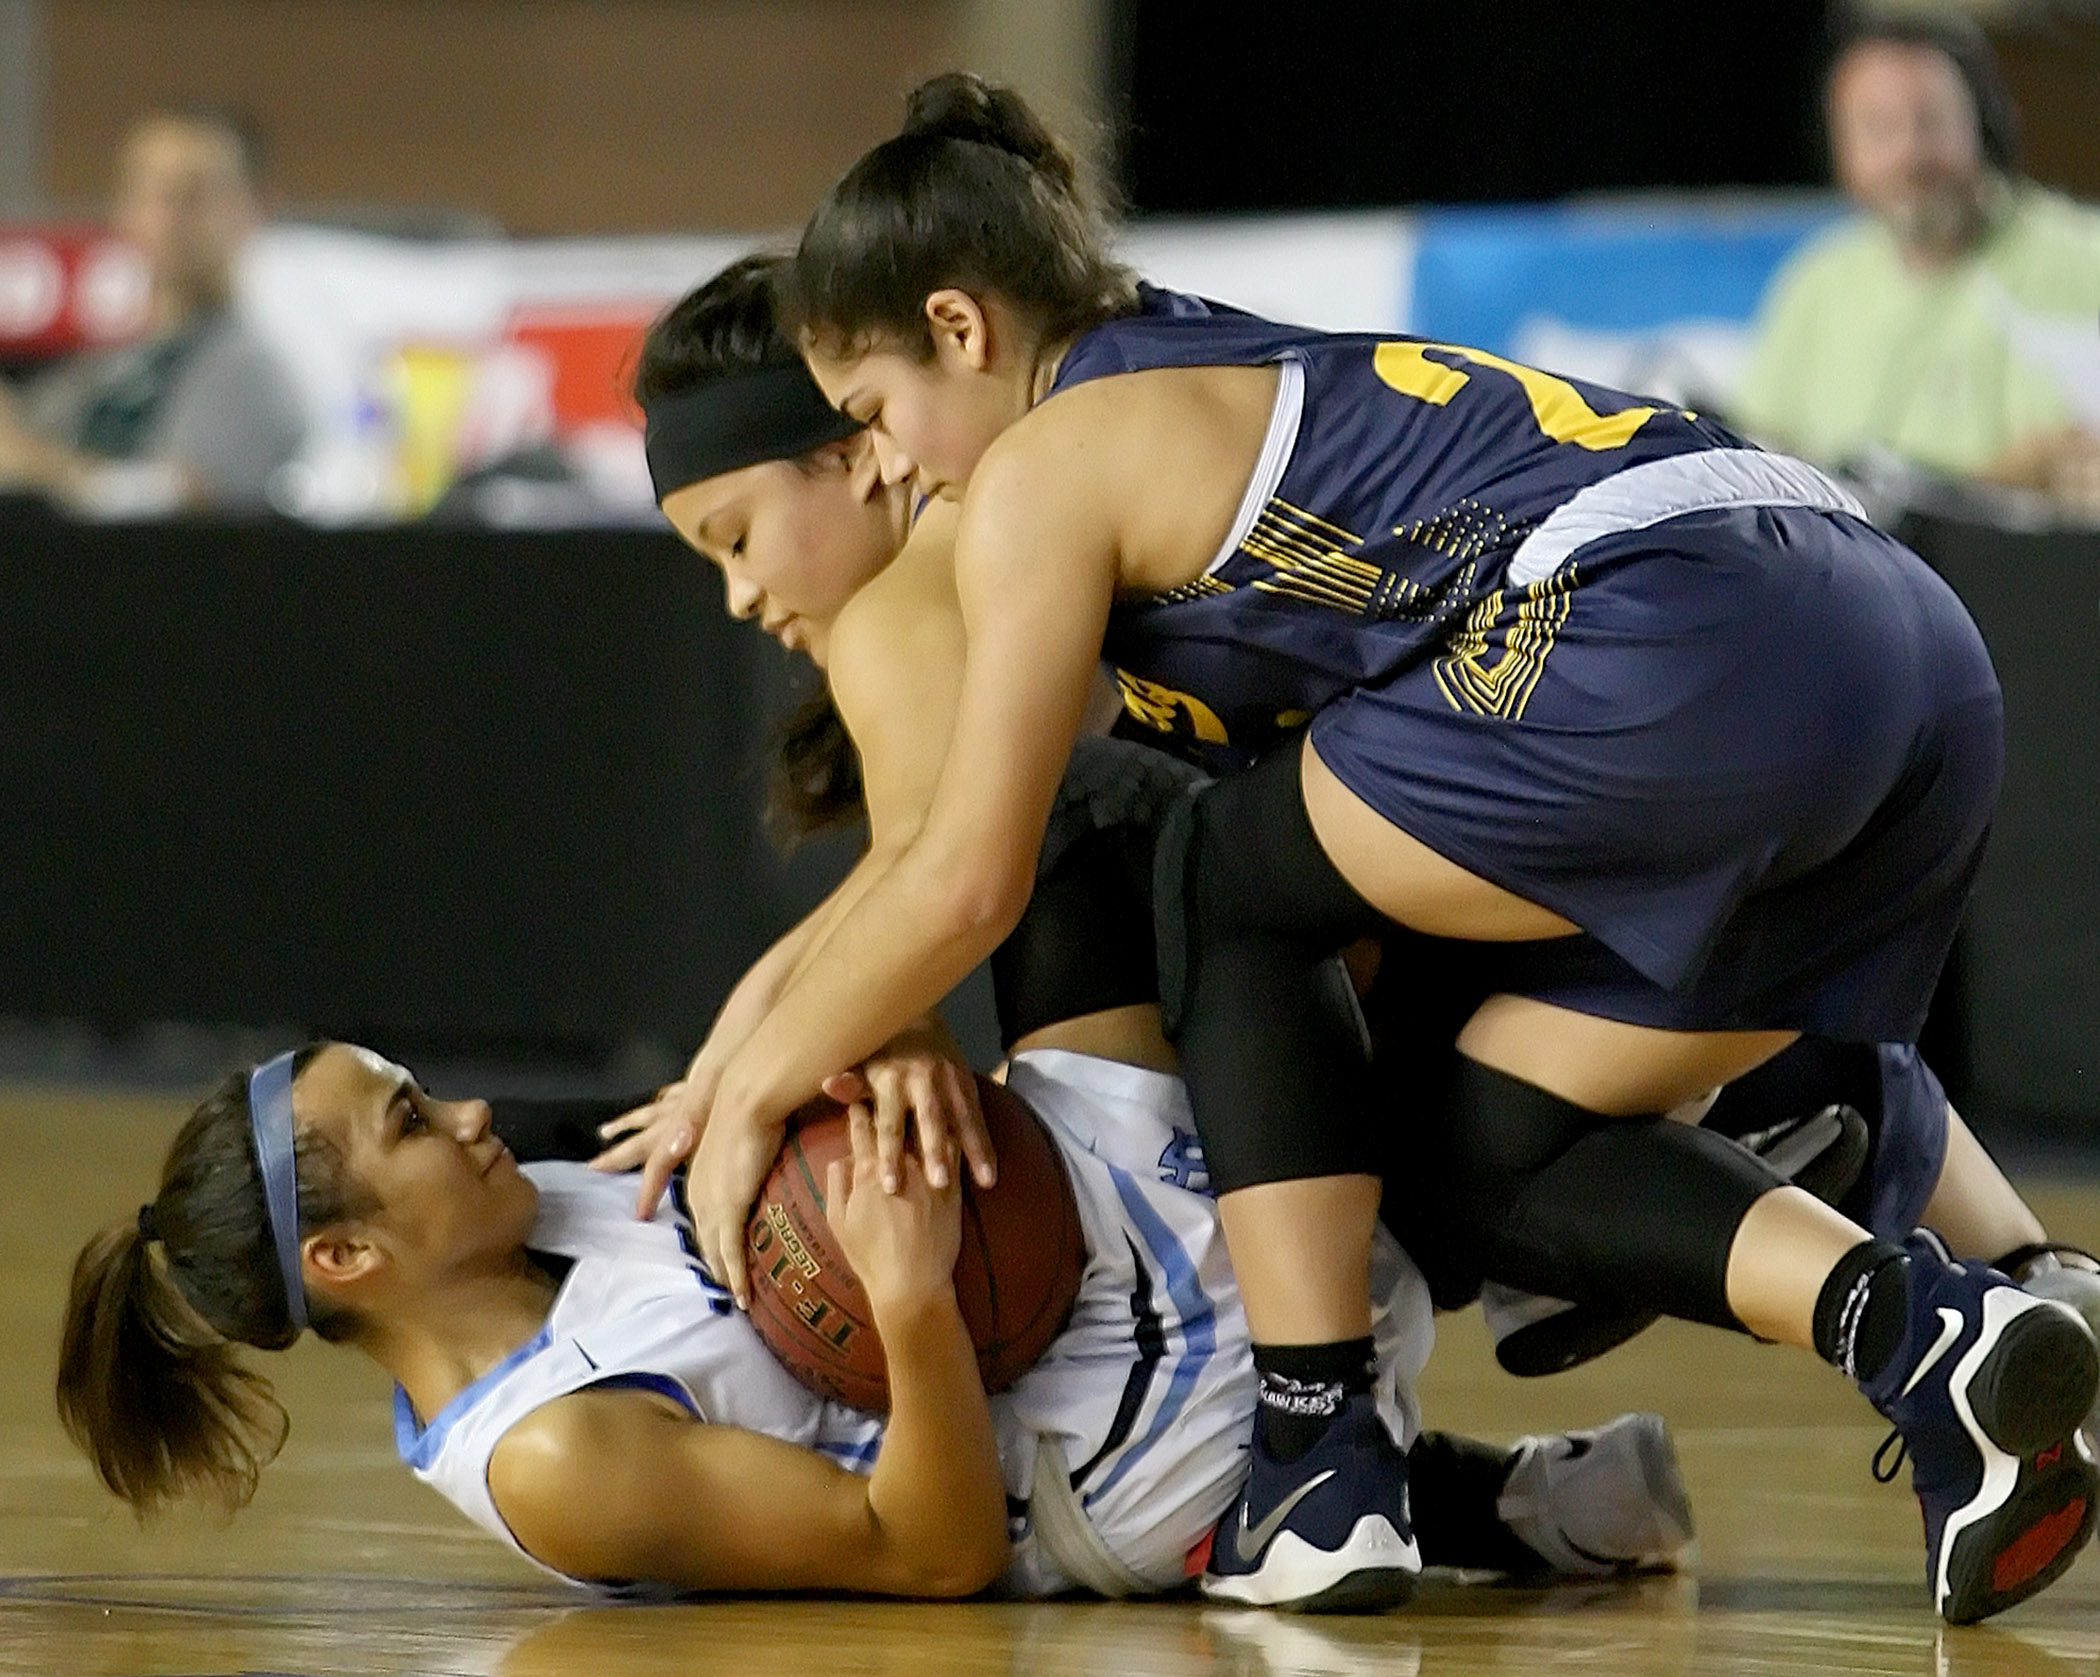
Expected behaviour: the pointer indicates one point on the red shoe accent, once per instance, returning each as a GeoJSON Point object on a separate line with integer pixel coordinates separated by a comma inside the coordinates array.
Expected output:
{"type": "Point", "coordinates": [2036, 1547]}
{"type": "Point", "coordinates": [1194, 1562]}
{"type": "Point", "coordinates": [2050, 1457]}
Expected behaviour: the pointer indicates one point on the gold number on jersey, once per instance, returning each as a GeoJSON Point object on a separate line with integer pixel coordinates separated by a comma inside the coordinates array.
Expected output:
{"type": "Point", "coordinates": [1555, 403]}
{"type": "Point", "coordinates": [1169, 710]}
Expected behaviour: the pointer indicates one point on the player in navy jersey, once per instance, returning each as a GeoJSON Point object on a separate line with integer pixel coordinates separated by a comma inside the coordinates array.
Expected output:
{"type": "Point", "coordinates": [1711, 756]}
{"type": "Point", "coordinates": [797, 535]}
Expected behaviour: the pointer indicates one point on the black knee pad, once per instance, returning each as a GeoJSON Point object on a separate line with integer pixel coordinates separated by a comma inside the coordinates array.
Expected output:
{"type": "Point", "coordinates": [1240, 855]}
{"type": "Point", "coordinates": [1278, 1074]}
{"type": "Point", "coordinates": [1248, 913]}
{"type": "Point", "coordinates": [1638, 1215]}
{"type": "Point", "coordinates": [1634, 1213]}
{"type": "Point", "coordinates": [1085, 942]}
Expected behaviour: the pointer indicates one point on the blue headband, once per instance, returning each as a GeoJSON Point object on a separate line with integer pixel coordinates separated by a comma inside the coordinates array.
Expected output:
{"type": "Point", "coordinates": [270, 1115]}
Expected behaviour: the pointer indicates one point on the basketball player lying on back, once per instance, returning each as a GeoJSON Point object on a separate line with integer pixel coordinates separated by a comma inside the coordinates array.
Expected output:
{"type": "Point", "coordinates": [574, 1382]}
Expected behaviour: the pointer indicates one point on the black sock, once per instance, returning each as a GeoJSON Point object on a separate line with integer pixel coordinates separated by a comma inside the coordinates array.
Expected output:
{"type": "Point", "coordinates": [1303, 1387]}
{"type": "Point", "coordinates": [1454, 1485]}
{"type": "Point", "coordinates": [1861, 1309]}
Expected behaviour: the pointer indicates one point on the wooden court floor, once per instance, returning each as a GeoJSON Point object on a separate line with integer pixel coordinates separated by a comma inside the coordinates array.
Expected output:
{"type": "Point", "coordinates": [345, 1565]}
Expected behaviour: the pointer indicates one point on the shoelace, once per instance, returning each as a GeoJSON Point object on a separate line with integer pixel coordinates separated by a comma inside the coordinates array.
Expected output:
{"type": "Point", "coordinates": [1882, 1475]}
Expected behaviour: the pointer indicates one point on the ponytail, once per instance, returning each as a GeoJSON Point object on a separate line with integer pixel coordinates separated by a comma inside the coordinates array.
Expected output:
{"type": "Point", "coordinates": [974, 193]}
{"type": "Point", "coordinates": [160, 1404]}
{"type": "Point", "coordinates": [150, 1382]}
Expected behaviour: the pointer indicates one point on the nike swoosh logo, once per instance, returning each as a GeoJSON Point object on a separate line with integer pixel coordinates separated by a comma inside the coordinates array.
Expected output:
{"type": "Point", "coordinates": [1249, 1541]}
{"type": "Point", "coordinates": [1950, 1331]}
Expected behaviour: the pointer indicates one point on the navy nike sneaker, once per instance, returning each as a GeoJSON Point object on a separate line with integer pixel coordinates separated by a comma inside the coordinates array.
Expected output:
{"type": "Point", "coordinates": [1986, 1390]}
{"type": "Point", "coordinates": [1328, 1533]}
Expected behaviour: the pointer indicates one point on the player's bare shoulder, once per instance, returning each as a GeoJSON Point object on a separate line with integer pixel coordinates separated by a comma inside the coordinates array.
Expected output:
{"type": "Point", "coordinates": [908, 611]}
{"type": "Point", "coordinates": [1158, 457]}
{"type": "Point", "coordinates": [548, 1451]}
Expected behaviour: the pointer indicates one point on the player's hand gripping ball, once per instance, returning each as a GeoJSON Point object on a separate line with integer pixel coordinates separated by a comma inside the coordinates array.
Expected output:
{"type": "Point", "coordinates": [1023, 1252]}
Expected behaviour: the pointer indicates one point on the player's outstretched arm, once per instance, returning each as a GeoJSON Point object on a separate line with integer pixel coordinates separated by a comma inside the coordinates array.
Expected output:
{"type": "Point", "coordinates": [621, 1486]}
{"type": "Point", "coordinates": [936, 1492]}
{"type": "Point", "coordinates": [1036, 571]}
{"type": "Point", "coordinates": [894, 664]}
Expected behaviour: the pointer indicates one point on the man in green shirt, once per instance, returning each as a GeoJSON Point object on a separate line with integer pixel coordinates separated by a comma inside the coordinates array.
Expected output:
{"type": "Point", "coordinates": [1957, 323]}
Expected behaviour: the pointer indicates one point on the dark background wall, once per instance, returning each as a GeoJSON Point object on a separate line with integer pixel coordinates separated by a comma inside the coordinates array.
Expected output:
{"type": "Point", "coordinates": [1345, 104]}
{"type": "Point", "coordinates": [1333, 103]}
{"type": "Point", "coordinates": [493, 797]}
{"type": "Point", "coordinates": [478, 796]}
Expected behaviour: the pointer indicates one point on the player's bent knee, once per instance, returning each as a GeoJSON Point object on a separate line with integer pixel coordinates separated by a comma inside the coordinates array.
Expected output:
{"type": "Point", "coordinates": [1544, 1194]}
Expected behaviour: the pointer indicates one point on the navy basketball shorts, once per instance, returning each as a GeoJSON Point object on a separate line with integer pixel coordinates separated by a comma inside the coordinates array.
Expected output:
{"type": "Point", "coordinates": [1753, 753]}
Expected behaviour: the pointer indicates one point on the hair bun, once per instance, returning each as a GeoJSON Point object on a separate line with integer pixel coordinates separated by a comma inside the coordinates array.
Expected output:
{"type": "Point", "coordinates": [960, 105]}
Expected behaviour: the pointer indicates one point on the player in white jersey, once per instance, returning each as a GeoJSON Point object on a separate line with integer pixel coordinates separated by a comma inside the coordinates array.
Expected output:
{"type": "Point", "coordinates": [574, 1382]}
{"type": "Point", "coordinates": [1121, 1443]}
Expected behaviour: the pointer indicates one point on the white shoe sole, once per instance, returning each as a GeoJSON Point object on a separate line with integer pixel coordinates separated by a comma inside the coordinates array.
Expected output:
{"type": "Point", "coordinates": [1294, 1574]}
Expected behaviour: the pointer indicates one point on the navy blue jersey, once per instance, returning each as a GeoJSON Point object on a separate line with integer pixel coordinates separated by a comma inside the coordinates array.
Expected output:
{"type": "Point", "coordinates": [1596, 651]}
{"type": "Point", "coordinates": [1412, 475]}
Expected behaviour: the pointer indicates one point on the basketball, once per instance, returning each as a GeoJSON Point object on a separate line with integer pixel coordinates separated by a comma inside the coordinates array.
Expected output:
{"type": "Point", "coordinates": [1023, 1252]}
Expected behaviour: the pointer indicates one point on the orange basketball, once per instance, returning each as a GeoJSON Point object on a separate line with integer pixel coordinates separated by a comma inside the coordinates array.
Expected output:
{"type": "Point", "coordinates": [1023, 1252]}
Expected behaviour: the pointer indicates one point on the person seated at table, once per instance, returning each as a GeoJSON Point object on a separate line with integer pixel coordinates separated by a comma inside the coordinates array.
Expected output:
{"type": "Point", "coordinates": [1956, 320]}
{"type": "Point", "coordinates": [200, 410]}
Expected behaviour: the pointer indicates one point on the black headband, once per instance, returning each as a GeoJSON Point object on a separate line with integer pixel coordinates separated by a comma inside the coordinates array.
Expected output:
{"type": "Point", "coordinates": [768, 413]}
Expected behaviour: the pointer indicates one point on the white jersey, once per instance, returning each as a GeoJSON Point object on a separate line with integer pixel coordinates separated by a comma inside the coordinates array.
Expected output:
{"type": "Point", "coordinates": [1124, 1443]}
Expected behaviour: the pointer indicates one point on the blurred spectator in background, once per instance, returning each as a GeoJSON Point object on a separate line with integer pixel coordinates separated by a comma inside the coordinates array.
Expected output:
{"type": "Point", "coordinates": [199, 412]}
{"type": "Point", "coordinates": [1957, 324]}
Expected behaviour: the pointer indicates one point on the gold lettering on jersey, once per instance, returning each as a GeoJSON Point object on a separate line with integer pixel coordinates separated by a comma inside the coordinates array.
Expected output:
{"type": "Point", "coordinates": [792, 1248]}
{"type": "Point", "coordinates": [1408, 370]}
{"type": "Point", "coordinates": [1469, 681]}
{"type": "Point", "coordinates": [1167, 711]}
{"type": "Point", "coordinates": [1556, 404]}
{"type": "Point", "coordinates": [1300, 549]}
